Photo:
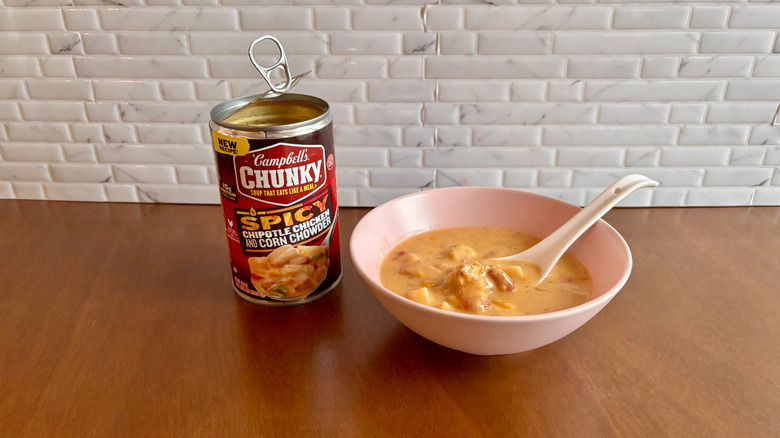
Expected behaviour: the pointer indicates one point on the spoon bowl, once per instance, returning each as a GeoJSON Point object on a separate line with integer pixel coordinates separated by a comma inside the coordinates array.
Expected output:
{"type": "Point", "coordinates": [545, 254]}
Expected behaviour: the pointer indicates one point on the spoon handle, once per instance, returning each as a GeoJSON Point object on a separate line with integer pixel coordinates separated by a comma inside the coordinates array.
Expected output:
{"type": "Point", "coordinates": [550, 249]}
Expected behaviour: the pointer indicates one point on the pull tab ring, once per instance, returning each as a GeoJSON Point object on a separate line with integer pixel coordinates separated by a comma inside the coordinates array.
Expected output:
{"type": "Point", "coordinates": [280, 63]}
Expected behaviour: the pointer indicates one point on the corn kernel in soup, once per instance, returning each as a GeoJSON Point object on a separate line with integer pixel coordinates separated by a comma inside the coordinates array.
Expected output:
{"type": "Point", "coordinates": [451, 269]}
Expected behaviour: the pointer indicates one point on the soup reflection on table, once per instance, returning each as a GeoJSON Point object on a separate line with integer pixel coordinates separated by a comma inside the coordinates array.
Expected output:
{"type": "Point", "coordinates": [451, 269]}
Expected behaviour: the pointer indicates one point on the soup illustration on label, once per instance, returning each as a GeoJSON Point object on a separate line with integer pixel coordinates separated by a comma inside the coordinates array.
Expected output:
{"type": "Point", "coordinates": [279, 200]}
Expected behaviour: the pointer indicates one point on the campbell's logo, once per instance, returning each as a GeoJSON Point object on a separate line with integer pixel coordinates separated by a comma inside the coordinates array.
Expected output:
{"type": "Point", "coordinates": [282, 174]}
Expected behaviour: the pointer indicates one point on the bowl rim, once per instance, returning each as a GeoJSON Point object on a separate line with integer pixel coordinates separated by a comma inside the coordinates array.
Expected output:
{"type": "Point", "coordinates": [588, 305]}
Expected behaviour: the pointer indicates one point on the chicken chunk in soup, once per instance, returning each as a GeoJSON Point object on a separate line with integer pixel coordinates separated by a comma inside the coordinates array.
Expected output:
{"type": "Point", "coordinates": [451, 269]}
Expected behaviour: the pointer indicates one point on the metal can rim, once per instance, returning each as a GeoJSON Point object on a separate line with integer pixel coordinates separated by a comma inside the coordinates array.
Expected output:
{"type": "Point", "coordinates": [221, 111]}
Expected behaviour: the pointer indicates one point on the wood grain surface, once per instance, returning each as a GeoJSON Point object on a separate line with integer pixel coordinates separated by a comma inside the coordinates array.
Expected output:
{"type": "Point", "coordinates": [119, 320]}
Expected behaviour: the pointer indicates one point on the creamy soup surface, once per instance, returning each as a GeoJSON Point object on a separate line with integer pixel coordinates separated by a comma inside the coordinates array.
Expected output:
{"type": "Point", "coordinates": [451, 269]}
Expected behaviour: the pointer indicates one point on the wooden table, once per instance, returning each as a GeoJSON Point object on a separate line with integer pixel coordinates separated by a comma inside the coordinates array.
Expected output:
{"type": "Point", "coordinates": [119, 320]}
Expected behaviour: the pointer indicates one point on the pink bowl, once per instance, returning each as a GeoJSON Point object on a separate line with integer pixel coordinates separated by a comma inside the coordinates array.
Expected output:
{"type": "Point", "coordinates": [601, 249]}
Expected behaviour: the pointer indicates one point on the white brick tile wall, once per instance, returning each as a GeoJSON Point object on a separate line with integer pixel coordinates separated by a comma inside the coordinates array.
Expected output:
{"type": "Point", "coordinates": [651, 17]}
{"type": "Point", "coordinates": [621, 114]}
{"type": "Point", "coordinates": [540, 114]}
{"type": "Point", "coordinates": [387, 18]}
{"type": "Point", "coordinates": [74, 192]}
{"type": "Point", "coordinates": [457, 43]}
{"type": "Point", "coordinates": [444, 18]}
{"type": "Point", "coordinates": [58, 67]}
{"type": "Point", "coordinates": [603, 67]}
{"type": "Point", "coordinates": [767, 66]}
{"type": "Point", "coordinates": [720, 196]}
{"type": "Point", "coordinates": [10, 111]}
{"type": "Point", "coordinates": [406, 157]}
{"type": "Point", "coordinates": [660, 67]}
{"type": "Point", "coordinates": [388, 114]}
{"type": "Point", "coordinates": [709, 17]}
{"type": "Point", "coordinates": [515, 43]}
{"type": "Point", "coordinates": [565, 91]}
{"type": "Point", "coordinates": [713, 135]}
{"type": "Point", "coordinates": [715, 66]}
{"type": "Point", "coordinates": [53, 111]}
{"type": "Point", "coordinates": [737, 42]}
{"type": "Point", "coordinates": [77, 172]}
{"type": "Point", "coordinates": [59, 89]}
{"type": "Point", "coordinates": [23, 43]}
{"type": "Point", "coordinates": [399, 177]}
{"type": "Point", "coordinates": [742, 112]}
{"type": "Point", "coordinates": [754, 17]}
{"type": "Point", "coordinates": [87, 133]}
{"type": "Point", "coordinates": [688, 113]}
{"type": "Point", "coordinates": [121, 193]}
{"type": "Point", "coordinates": [175, 19]}
{"type": "Point", "coordinates": [352, 177]}
{"type": "Point", "coordinates": [441, 113]}
{"type": "Point", "coordinates": [653, 91]}
{"type": "Point", "coordinates": [19, 67]}
{"type": "Point", "coordinates": [747, 156]}
{"type": "Point", "coordinates": [177, 90]}
{"type": "Point", "coordinates": [590, 157]}
{"type": "Point", "coordinates": [80, 19]}
{"type": "Point", "coordinates": [79, 153]}
{"type": "Point", "coordinates": [468, 177]}
{"type": "Point", "coordinates": [402, 91]}
{"type": "Point", "coordinates": [34, 131]}
{"type": "Point", "coordinates": [668, 197]}
{"type": "Point", "coordinates": [419, 43]}
{"type": "Point", "coordinates": [406, 67]}
{"type": "Point", "coordinates": [506, 136]}
{"type": "Point", "coordinates": [694, 156]}
{"type": "Point", "coordinates": [474, 91]}
{"type": "Point", "coordinates": [608, 135]}
{"type": "Point", "coordinates": [756, 89]}
{"type": "Point", "coordinates": [10, 171]}
{"type": "Point", "coordinates": [119, 133]}
{"type": "Point", "coordinates": [99, 43]}
{"type": "Point", "coordinates": [128, 173]}
{"type": "Point", "coordinates": [494, 67]}
{"type": "Point", "coordinates": [347, 43]}
{"type": "Point", "coordinates": [452, 136]}
{"type": "Point", "coordinates": [528, 91]}
{"type": "Point", "coordinates": [22, 190]}
{"type": "Point", "coordinates": [488, 157]}
{"type": "Point", "coordinates": [520, 178]}
{"type": "Point", "coordinates": [31, 19]}
{"type": "Point", "coordinates": [128, 67]}
{"type": "Point", "coordinates": [538, 17]}
{"type": "Point", "coordinates": [336, 18]}
{"type": "Point", "coordinates": [554, 178]}
{"type": "Point", "coordinates": [766, 196]}
{"type": "Point", "coordinates": [625, 43]}
{"type": "Point", "coordinates": [192, 174]}
{"type": "Point", "coordinates": [105, 103]}
{"type": "Point", "coordinates": [31, 152]}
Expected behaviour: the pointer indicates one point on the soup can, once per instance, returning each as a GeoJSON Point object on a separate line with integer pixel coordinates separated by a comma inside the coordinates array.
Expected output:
{"type": "Point", "coordinates": [277, 181]}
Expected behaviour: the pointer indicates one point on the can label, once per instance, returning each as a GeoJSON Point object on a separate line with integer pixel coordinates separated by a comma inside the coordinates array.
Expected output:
{"type": "Point", "coordinates": [280, 210]}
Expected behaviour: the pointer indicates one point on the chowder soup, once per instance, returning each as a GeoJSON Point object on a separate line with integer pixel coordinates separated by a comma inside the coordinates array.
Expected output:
{"type": "Point", "coordinates": [451, 269]}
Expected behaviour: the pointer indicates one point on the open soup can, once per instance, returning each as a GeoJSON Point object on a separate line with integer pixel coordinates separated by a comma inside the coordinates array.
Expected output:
{"type": "Point", "coordinates": [277, 181]}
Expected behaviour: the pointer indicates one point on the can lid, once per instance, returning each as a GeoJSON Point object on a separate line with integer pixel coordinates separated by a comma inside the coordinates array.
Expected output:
{"type": "Point", "coordinates": [281, 64]}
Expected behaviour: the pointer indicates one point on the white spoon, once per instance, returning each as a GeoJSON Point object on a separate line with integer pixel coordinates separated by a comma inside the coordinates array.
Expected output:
{"type": "Point", "coordinates": [546, 253]}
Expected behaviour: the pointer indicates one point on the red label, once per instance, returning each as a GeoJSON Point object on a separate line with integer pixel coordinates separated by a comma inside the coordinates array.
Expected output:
{"type": "Point", "coordinates": [282, 174]}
